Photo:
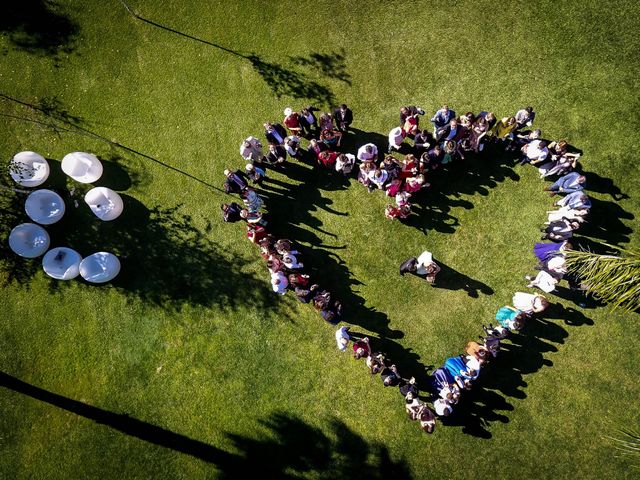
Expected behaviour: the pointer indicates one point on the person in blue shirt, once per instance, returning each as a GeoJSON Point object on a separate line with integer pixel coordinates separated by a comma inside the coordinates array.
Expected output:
{"type": "Point", "coordinates": [575, 201]}
{"type": "Point", "coordinates": [442, 118]}
{"type": "Point", "coordinates": [570, 183]}
{"type": "Point", "coordinates": [510, 318]}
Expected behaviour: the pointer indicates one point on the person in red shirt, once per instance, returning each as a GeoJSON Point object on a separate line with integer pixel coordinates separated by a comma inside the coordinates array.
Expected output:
{"type": "Point", "coordinates": [292, 121]}
{"type": "Point", "coordinates": [328, 159]}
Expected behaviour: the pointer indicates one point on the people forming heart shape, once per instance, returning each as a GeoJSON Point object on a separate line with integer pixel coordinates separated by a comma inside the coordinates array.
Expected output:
{"type": "Point", "coordinates": [453, 139]}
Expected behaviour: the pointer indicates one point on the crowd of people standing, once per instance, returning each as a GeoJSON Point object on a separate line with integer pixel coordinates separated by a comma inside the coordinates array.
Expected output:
{"type": "Point", "coordinates": [452, 138]}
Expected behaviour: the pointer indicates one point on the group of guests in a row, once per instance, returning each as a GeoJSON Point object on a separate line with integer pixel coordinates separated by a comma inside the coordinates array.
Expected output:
{"type": "Point", "coordinates": [458, 373]}
{"type": "Point", "coordinates": [452, 137]}
{"type": "Point", "coordinates": [563, 222]}
{"type": "Point", "coordinates": [282, 260]}
{"type": "Point", "coordinates": [378, 363]}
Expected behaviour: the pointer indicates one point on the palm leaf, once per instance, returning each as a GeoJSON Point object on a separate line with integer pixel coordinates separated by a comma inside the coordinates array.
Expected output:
{"type": "Point", "coordinates": [614, 279]}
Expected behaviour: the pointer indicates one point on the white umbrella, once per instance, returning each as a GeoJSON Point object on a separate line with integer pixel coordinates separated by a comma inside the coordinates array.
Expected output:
{"type": "Point", "coordinates": [29, 240]}
{"type": "Point", "coordinates": [29, 169]}
{"type": "Point", "coordinates": [100, 267]}
{"type": "Point", "coordinates": [104, 203]}
{"type": "Point", "coordinates": [44, 206]}
{"type": "Point", "coordinates": [82, 167]}
{"type": "Point", "coordinates": [62, 263]}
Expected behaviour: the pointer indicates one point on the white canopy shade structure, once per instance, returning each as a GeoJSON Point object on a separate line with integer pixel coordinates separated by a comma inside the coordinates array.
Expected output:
{"type": "Point", "coordinates": [62, 263]}
{"type": "Point", "coordinates": [104, 203]}
{"type": "Point", "coordinates": [82, 167]}
{"type": "Point", "coordinates": [29, 240]}
{"type": "Point", "coordinates": [29, 169]}
{"type": "Point", "coordinates": [100, 267]}
{"type": "Point", "coordinates": [44, 206]}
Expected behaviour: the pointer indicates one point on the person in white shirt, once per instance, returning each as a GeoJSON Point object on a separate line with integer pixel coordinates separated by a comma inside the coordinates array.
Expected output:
{"type": "Point", "coordinates": [279, 282]}
{"type": "Point", "coordinates": [291, 262]}
{"type": "Point", "coordinates": [345, 163]}
{"type": "Point", "coordinates": [251, 149]}
{"type": "Point", "coordinates": [524, 117]}
{"type": "Point", "coordinates": [396, 137]}
{"type": "Point", "coordinates": [342, 338]}
{"type": "Point", "coordinates": [536, 152]}
{"type": "Point", "coordinates": [423, 266]}
{"type": "Point", "coordinates": [442, 407]}
{"type": "Point", "coordinates": [530, 303]}
{"type": "Point", "coordinates": [367, 152]}
{"type": "Point", "coordinates": [544, 281]}
{"type": "Point", "coordinates": [378, 178]}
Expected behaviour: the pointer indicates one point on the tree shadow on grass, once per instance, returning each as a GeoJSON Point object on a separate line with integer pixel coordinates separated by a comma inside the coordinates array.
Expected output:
{"type": "Point", "coordinates": [39, 27]}
{"type": "Point", "coordinates": [331, 65]}
{"type": "Point", "coordinates": [51, 114]}
{"type": "Point", "coordinates": [284, 446]}
{"type": "Point", "coordinates": [167, 260]}
{"type": "Point", "coordinates": [283, 80]}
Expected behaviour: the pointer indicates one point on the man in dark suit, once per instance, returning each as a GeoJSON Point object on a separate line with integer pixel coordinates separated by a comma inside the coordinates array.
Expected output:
{"type": "Point", "coordinates": [422, 141]}
{"type": "Point", "coordinates": [343, 117]}
{"type": "Point", "coordinates": [275, 133]}
{"type": "Point", "coordinates": [275, 156]}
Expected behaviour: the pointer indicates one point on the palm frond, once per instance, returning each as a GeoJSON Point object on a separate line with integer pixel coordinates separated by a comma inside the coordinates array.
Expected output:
{"type": "Point", "coordinates": [614, 279]}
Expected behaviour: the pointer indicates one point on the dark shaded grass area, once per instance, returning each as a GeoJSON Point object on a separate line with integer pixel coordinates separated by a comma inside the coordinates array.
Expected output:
{"type": "Point", "coordinates": [287, 448]}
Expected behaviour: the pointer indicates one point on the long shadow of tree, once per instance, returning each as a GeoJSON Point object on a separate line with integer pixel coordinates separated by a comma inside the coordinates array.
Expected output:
{"type": "Point", "coordinates": [39, 27]}
{"type": "Point", "coordinates": [284, 80]}
{"type": "Point", "coordinates": [166, 259]}
{"type": "Point", "coordinates": [286, 448]}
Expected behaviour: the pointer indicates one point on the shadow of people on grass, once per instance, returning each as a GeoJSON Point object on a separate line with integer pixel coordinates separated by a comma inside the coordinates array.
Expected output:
{"type": "Point", "coordinates": [599, 184]}
{"type": "Point", "coordinates": [605, 222]}
{"type": "Point", "coordinates": [284, 446]}
{"type": "Point", "coordinates": [450, 279]}
{"type": "Point", "coordinates": [503, 378]}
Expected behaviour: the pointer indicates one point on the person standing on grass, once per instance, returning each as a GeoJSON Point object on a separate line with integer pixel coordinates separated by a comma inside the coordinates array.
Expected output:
{"type": "Point", "coordinates": [343, 117]}
{"type": "Point", "coordinates": [255, 174]}
{"type": "Point", "coordinates": [442, 118]}
{"type": "Point", "coordinates": [342, 338]}
{"type": "Point", "coordinates": [251, 150]}
{"type": "Point", "coordinates": [570, 183]}
{"type": "Point", "coordinates": [367, 152]}
{"type": "Point", "coordinates": [275, 133]}
{"type": "Point", "coordinates": [236, 182]}
{"type": "Point", "coordinates": [275, 156]}
{"type": "Point", "coordinates": [308, 121]}
{"type": "Point", "coordinates": [524, 118]}
{"type": "Point", "coordinates": [292, 121]}
{"type": "Point", "coordinates": [423, 266]}
{"type": "Point", "coordinates": [410, 111]}
{"type": "Point", "coordinates": [530, 303]}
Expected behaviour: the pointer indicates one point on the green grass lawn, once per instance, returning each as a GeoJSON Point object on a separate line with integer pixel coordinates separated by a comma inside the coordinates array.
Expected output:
{"type": "Point", "coordinates": [187, 366]}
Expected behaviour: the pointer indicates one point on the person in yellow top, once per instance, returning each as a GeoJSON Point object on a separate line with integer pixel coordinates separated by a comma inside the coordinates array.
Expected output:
{"type": "Point", "coordinates": [504, 128]}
